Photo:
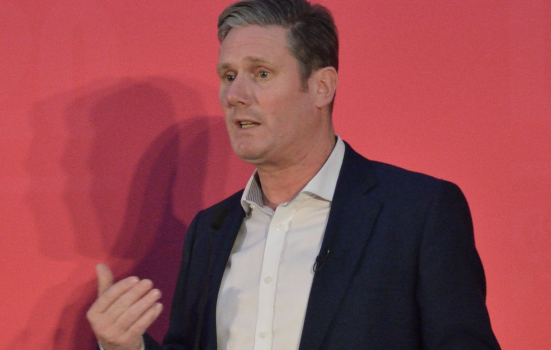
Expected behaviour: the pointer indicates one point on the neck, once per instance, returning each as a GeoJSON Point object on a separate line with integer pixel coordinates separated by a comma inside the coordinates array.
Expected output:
{"type": "Point", "coordinates": [282, 184]}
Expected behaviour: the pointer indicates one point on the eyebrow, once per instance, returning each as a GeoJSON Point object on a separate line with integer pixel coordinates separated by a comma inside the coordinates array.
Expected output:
{"type": "Point", "coordinates": [251, 59]}
{"type": "Point", "coordinates": [256, 59]}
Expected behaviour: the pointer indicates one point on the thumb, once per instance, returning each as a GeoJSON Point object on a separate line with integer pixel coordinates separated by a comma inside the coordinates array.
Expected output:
{"type": "Point", "coordinates": [105, 277]}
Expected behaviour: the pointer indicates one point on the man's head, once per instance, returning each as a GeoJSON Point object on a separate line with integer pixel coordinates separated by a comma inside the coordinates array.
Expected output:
{"type": "Point", "coordinates": [276, 92]}
{"type": "Point", "coordinates": [312, 34]}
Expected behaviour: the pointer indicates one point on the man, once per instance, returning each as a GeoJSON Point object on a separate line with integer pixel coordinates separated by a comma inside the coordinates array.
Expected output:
{"type": "Point", "coordinates": [324, 249]}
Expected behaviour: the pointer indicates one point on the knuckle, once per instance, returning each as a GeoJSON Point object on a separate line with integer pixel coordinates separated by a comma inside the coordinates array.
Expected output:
{"type": "Point", "coordinates": [154, 295]}
{"type": "Point", "coordinates": [146, 283]}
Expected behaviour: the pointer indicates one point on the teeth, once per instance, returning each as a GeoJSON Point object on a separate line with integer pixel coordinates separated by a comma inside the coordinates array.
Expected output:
{"type": "Point", "coordinates": [246, 125]}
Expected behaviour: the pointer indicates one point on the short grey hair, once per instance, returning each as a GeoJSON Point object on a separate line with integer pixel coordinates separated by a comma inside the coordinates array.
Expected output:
{"type": "Point", "coordinates": [312, 36]}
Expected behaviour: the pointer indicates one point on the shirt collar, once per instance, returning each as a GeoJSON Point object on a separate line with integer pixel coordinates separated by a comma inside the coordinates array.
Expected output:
{"type": "Point", "coordinates": [322, 184]}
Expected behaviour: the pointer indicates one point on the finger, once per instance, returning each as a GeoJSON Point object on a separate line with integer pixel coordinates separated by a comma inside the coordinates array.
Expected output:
{"type": "Point", "coordinates": [139, 327]}
{"type": "Point", "coordinates": [105, 278]}
{"type": "Point", "coordinates": [132, 295]}
{"type": "Point", "coordinates": [114, 327]}
{"type": "Point", "coordinates": [112, 294]}
{"type": "Point", "coordinates": [138, 309]}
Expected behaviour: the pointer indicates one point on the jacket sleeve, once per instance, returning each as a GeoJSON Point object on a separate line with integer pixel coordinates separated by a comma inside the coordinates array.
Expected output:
{"type": "Point", "coordinates": [451, 289]}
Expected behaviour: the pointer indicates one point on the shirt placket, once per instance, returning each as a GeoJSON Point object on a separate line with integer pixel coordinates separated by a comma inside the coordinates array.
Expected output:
{"type": "Point", "coordinates": [277, 232]}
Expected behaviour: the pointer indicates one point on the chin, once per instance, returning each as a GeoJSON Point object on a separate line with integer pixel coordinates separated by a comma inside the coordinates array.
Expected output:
{"type": "Point", "coordinates": [248, 156]}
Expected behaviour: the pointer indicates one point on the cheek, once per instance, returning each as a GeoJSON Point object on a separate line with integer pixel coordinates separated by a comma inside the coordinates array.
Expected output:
{"type": "Point", "coordinates": [278, 102]}
{"type": "Point", "coordinates": [222, 96]}
{"type": "Point", "coordinates": [290, 109]}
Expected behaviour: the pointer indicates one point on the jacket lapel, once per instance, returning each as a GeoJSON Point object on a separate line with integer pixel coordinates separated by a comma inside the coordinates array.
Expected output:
{"type": "Point", "coordinates": [223, 242]}
{"type": "Point", "coordinates": [353, 214]}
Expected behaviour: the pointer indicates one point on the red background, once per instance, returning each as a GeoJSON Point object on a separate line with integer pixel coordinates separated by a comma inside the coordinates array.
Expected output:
{"type": "Point", "coordinates": [112, 138]}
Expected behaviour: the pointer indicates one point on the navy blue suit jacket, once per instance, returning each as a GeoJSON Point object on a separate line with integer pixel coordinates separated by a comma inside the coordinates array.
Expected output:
{"type": "Point", "coordinates": [402, 270]}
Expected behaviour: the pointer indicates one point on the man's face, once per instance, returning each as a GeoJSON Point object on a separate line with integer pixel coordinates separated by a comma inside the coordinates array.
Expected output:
{"type": "Point", "coordinates": [271, 119]}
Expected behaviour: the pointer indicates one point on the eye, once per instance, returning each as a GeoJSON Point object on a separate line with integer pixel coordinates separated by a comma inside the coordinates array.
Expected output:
{"type": "Point", "coordinates": [263, 74]}
{"type": "Point", "coordinates": [229, 77]}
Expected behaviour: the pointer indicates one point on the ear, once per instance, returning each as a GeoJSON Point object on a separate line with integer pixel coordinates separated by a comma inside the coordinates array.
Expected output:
{"type": "Point", "coordinates": [324, 86]}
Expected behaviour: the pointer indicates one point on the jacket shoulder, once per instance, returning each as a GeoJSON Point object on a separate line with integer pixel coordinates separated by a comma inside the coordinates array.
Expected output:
{"type": "Point", "coordinates": [392, 181]}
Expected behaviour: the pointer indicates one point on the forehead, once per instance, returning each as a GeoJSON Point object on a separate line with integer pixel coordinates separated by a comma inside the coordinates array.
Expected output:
{"type": "Point", "coordinates": [254, 42]}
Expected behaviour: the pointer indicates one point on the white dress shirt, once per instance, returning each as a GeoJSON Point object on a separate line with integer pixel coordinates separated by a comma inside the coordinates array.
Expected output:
{"type": "Point", "coordinates": [264, 292]}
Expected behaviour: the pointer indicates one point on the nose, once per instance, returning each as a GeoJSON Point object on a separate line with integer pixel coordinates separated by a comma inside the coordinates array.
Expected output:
{"type": "Point", "coordinates": [237, 92]}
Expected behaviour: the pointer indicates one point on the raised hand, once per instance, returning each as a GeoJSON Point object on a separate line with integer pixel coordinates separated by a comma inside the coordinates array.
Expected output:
{"type": "Point", "coordinates": [123, 311]}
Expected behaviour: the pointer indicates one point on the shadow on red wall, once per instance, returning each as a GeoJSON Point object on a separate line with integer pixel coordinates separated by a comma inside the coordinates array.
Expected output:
{"type": "Point", "coordinates": [117, 172]}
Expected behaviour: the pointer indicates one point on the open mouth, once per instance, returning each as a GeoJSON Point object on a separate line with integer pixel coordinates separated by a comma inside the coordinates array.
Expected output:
{"type": "Point", "coordinates": [247, 125]}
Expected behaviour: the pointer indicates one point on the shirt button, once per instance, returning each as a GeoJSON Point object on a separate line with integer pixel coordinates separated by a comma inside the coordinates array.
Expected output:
{"type": "Point", "coordinates": [253, 206]}
{"type": "Point", "coordinates": [279, 227]}
{"type": "Point", "coordinates": [268, 280]}
{"type": "Point", "coordinates": [263, 335]}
